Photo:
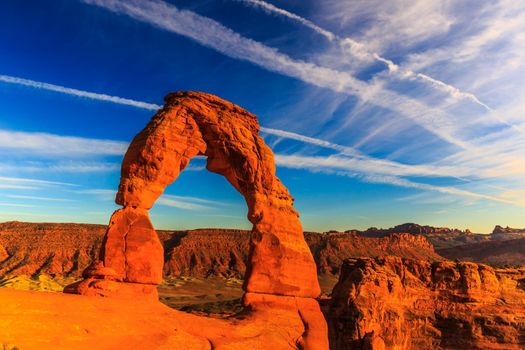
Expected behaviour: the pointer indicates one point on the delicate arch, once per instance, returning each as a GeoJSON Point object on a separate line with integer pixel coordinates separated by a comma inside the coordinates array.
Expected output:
{"type": "Point", "coordinates": [192, 124]}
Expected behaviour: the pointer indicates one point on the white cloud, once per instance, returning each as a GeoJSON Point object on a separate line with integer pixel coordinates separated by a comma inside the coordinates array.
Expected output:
{"type": "Point", "coordinates": [214, 35]}
{"type": "Point", "coordinates": [56, 145]}
{"type": "Point", "coordinates": [32, 182]}
{"type": "Point", "coordinates": [78, 93]}
{"type": "Point", "coordinates": [49, 199]}
{"type": "Point", "coordinates": [187, 203]}
{"type": "Point", "coordinates": [332, 165]}
{"type": "Point", "coordinates": [360, 51]}
{"type": "Point", "coordinates": [4, 204]}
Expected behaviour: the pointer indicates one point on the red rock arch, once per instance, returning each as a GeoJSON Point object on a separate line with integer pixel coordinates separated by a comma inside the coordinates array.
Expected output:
{"type": "Point", "coordinates": [281, 273]}
{"type": "Point", "coordinates": [188, 125]}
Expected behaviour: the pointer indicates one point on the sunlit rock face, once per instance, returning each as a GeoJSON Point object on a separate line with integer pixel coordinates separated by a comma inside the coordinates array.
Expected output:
{"type": "Point", "coordinates": [280, 271]}
{"type": "Point", "coordinates": [395, 303]}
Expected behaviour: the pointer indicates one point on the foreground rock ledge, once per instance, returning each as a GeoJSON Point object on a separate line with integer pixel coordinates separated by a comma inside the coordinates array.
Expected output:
{"type": "Point", "coordinates": [281, 278]}
{"type": "Point", "coordinates": [41, 320]}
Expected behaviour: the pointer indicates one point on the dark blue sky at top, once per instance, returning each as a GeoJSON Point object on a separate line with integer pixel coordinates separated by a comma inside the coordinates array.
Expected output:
{"type": "Point", "coordinates": [72, 44]}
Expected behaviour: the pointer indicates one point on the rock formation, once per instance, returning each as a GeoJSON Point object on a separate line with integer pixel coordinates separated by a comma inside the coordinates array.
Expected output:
{"type": "Point", "coordinates": [64, 250]}
{"type": "Point", "coordinates": [393, 303]}
{"type": "Point", "coordinates": [495, 252]}
{"type": "Point", "coordinates": [499, 230]}
{"type": "Point", "coordinates": [281, 273]}
{"type": "Point", "coordinates": [330, 250]}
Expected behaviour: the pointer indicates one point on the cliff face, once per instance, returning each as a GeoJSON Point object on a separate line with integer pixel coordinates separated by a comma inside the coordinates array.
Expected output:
{"type": "Point", "coordinates": [64, 250]}
{"type": "Point", "coordinates": [394, 303]}
{"type": "Point", "coordinates": [495, 253]}
{"type": "Point", "coordinates": [52, 249]}
{"type": "Point", "coordinates": [330, 250]}
{"type": "Point", "coordinates": [444, 237]}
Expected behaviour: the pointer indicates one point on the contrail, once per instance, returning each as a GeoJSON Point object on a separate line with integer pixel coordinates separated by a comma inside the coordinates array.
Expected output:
{"type": "Point", "coordinates": [359, 50]}
{"type": "Point", "coordinates": [80, 93]}
{"type": "Point", "coordinates": [214, 35]}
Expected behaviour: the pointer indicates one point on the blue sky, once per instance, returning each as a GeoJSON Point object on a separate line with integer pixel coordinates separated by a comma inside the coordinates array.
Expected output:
{"type": "Point", "coordinates": [378, 112]}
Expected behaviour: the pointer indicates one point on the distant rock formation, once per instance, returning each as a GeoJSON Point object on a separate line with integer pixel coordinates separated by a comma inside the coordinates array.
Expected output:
{"type": "Point", "coordinates": [444, 237]}
{"type": "Point", "coordinates": [280, 273]}
{"type": "Point", "coordinates": [494, 252]}
{"type": "Point", "coordinates": [499, 230]}
{"type": "Point", "coordinates": [414, 229]}
{"type": "Point", "coordinates": [393, 303]}
{"type": "Point", "coordinates": [331, 249]}
{"type": "Point", "coordinates": [65, 250]}
{"type": "Point", "coordinates": [57, 250]}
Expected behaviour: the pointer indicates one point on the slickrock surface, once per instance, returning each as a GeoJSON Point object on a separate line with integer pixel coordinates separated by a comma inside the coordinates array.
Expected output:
{"type": "Point", "coordinates": [280, 277]}
{"type": "Point", "coordinates": [394, 303]}
{"type": "Point", "coordinates": [41, 320]}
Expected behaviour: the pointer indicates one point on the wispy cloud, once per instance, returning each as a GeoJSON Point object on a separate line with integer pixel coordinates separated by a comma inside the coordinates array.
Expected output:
{"type": "Point", "coordinates": [58, 166]}
{"type": "Point", "coordinates": [4, 204]}
{"type": "Point", "coordinates": [49, 199]}
{"type": "Point", "coordinates": [187, 203]}
{"type": "Point", "coordinates": [51, 144]}
{"type": "Point", "coordinates": [334, 165]}
{"type": "Point", "coordinates": [358, 50]}
{"type": "Point", "coordinates": [214, 35]}
{"type": "Point", "coordinates": [79, 93]}
{"type": "Point", "coordinates": [32, 182]}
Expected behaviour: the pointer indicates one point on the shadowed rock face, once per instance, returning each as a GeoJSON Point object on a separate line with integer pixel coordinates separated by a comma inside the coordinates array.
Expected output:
{"type": "Point", "coordinates": [394, 303]}
{"type": "Point", "coordinates": [280, 271]}
{"type": "Point", "coordinates": [496, 253]}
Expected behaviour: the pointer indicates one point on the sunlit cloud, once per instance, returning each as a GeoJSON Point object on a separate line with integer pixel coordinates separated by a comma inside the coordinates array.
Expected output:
{"type": "Point", "coordinates": [360, 51]}
{"type": "Point", "coordinates": [51, 144]}
{"type": "Point", "coordinates": [216, 36]}
{"type": "Point", "coordinates": [75, 92]}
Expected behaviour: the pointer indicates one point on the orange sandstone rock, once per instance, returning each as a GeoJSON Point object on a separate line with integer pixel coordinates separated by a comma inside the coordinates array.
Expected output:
{"type": "Point", "coordinates": [393, 303]}
{"type": "Point", "coordinates": [280, 280]}
{"type": "Point", "coordinates": [192, 124]}
{"type": "Point", "coordinates": [132, 248]}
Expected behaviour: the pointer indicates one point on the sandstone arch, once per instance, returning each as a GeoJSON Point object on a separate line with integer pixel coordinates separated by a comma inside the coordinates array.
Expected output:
{"type": "Point", "coordinates": [281, 272]}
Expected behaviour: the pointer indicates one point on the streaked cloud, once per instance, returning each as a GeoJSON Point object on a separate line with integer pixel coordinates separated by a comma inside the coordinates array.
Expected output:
{"type": "Point", "coordinates": [369, 173]}
{"type": "Point", "coordinates": [358, 50]}
{"type": "Point", "coordinates": [216, 36]}
{"type": "Point", "coordinates": [75, 92]}
{"type": "Point", "coordinates": [187, 203]}
{"type": "Point", "coordinates": [5, 204]}
{"type": "Point", "coordinates": [37, 198]}
{"type": "Point", "coordinates": [51, 144]}
{"type": "Point", "coordinates": [32, 182]}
